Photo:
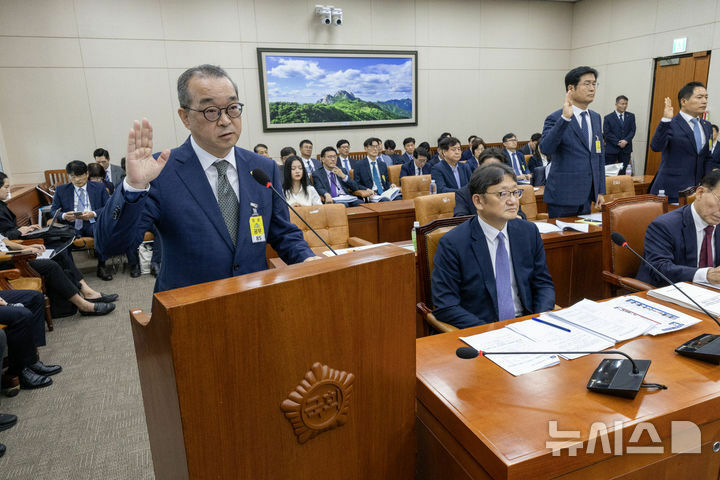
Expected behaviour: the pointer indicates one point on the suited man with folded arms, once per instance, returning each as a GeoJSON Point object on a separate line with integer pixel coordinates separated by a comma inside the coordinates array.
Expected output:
{"type": "Point", "coordinates": [619, 129]}
{"type": "Point", "coordinates": [449, 174]}
{"type": "Point", "coordinates": [685, 244]}
{"type": "Point", "coordinates": [331, 181]}
{"type": "Point", "coordinates": [200, 195]}
{"type": "Point", "coordinates": [684, 141]}
{"type": "Point", "coordinates": [492, 267]}
{"type": "Point", "coordinates": [572, 136]}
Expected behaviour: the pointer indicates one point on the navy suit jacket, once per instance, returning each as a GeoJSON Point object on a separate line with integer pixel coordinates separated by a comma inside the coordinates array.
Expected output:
{"type": "Point", "coordinates": [524, 170]}
{"type": "Point", "coordinates": [671, 247]}
{"type": "Point", "coordinates": [363, 175]}
{"type": "Point", "coordinates": [322, 185]}
{"type": "Point", "coordinates": [445, 180]}
{"type": "Point", "coordinates": [463, 279]}
{"type": "Point", "coordinates": [716, 156]}
{"type": "Point", "coordinates": [408, 169]}
{"type": "Point", "coordinates": [472, 163]}
{"type": "Point", "coordinates": [466, 155]}
{"type": "Point", "coordinates": [64, 199]}
{"type": "Point", "coordinates": [681, 166]}
{"type": "Point", "coordinates": [615, 131]}
{"type": "Point", "coordinates": [196, 245]}
{"type": "Point", "coordinates": [526, 150]}
{"type": "Point", "coordinates": [578, 172]}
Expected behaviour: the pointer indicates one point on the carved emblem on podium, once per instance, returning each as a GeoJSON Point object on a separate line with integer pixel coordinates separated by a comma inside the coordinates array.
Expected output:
{"type": "Point", "coordinates": [321, 402]}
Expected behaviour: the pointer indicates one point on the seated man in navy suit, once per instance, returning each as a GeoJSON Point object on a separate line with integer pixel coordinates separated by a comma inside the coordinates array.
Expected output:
{"type": "Point", "coordinates": [201, 195]}
{"type": "Point", "coordinates": [389, 152]}
{"type": "Point", "coordinates": [418, 165]}
{"type": "Point", "coordinates": [684, 140]}
{"type": "Point", "coordinates": [492, 267]}
{"type": "Point", "coordinates": [619, 130]}
{"type": "Point", "coordinates": [409, 146]}
{"type": "Point", "coordinates": [468, 154]}
{"type": "Point", "coordinates": [531, 147]}
{"type": "Point", "coordinates": [87, 199]}
{"type": "Point", "coordinates": [332, 181]}
{"type": "Point", "coordinates": [343, 151]}
{"type": "Point", "coordinates": [516, 158]}
{"type": "Point", "coordinates": [449, 174]}
{"type": "Point", "coordinates": [306, 149]}
{"type": "Point", "coordinates": [371, 173]}
{"type": "Point", "coordinates": [684, 244]}
{"type": "Point", "coordinates": [438, 154]}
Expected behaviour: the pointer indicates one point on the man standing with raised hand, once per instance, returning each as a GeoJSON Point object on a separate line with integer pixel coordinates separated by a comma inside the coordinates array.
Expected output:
{"type": "Point", "coordinates": [200, 195]}
{"type": "Point", "coordinates": [572, 136]}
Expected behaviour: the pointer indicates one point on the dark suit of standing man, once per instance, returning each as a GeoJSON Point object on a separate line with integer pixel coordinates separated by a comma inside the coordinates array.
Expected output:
{"type": "Point", "coordinates": [577, 176]}
{"type": "Point", "coordinates": [684, 141]}
{"type": "Point", "coordinates": [491, 267]}
{"type": "Point", "coordinates": [619, 130]}
{"type": "Point", "coordinates": [685, 244]}
{"type": "Point", "coordinates": [200, 196]}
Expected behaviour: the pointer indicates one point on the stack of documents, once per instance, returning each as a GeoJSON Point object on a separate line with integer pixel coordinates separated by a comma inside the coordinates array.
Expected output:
{"type": "Point", "coordinates": [586, 326]}
{"type": "Point", "coordinates": [559, 226]}
{"type": "Point", "coordinates": [709, 299]}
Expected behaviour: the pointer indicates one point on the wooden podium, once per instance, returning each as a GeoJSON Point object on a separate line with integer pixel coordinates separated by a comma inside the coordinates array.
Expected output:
{"type": "Point", "coordinates": [302, 372]}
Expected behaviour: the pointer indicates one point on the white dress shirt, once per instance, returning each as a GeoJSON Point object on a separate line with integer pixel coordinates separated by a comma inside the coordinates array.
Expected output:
{"type": "Point", "coordinates": [688, 119]}
{"type": "Point", "coordinates": [372, 176]}
{"type": "Point", "coordinates": [491, 234]}
{"type": "Point", "coordinates": [576, 113]}
{"type": "Point", "coordinates": [700, 224]}
{"type": "Point", "coordinates": [309, 165]}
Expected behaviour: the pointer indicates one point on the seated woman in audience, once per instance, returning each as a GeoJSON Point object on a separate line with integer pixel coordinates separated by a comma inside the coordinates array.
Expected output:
{"type": "Point", "coordinates": [295, 184]}
{"type": "Point", "coordinates": [59, 285]}
{"type": "Point", "coordinates": [10, 230]}
{"type": "Point", "coordinates": [96, 172]}
{"type": "Point", "coordinates": [538, 159]}
{"type": "Point", "coordinates": [477, 147]}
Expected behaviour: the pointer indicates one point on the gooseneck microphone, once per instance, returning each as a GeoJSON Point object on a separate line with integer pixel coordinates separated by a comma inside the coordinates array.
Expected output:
{"type": "Point", "coordinates": [705, 347]}
{"type": "Point", "coordinates": [611, 377]}
{"type": "Point", "coordinates": [262, 178]}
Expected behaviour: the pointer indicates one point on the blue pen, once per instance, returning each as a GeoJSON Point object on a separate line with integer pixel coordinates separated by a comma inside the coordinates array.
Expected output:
{"type": "Point", "coordinates": [551, 324]}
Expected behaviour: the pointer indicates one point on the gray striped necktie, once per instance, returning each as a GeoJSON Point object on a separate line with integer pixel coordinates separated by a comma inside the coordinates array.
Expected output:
{"type": "Point", "coordinates": [227, 200]}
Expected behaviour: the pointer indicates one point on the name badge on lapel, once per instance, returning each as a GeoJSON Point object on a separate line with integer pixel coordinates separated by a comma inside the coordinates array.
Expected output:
{"type": "Point", "coordinates": [257, 230]}
{"type": "Point", "coordinates": [598, 145]}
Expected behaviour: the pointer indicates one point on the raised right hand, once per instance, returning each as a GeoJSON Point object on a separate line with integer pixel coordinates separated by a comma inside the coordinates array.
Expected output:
{"type": "Point", "coordinates": [668, 111]}
{"type": "Point", "coordinates": [567, 110]}
{"type": "Point", "coordinates": [141, 167]}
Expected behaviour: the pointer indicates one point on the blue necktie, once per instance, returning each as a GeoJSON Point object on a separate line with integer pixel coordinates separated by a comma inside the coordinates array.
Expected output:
{"type": "Point", "coordinates": [696, 131]}
{"type": "Point", "coordinates": [584, 128]}
{"type": "Point", "coordinates": [503, 285]}
{"type": "Point", "coordinates": [376, 178]}
{"type": "Point", "coordinates": [456, 173]}
{"type": "Point", "coordinates": [333, 188]}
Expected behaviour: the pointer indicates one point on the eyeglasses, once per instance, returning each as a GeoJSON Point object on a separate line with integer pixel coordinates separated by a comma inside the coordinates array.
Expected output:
{"type": "Point", "coordinates": [455, 149]}
{"type": "Point", "coordinates": [589, 84]}
{"type": "Point", "coordinates": [212, 114]}
{"type": "Point", "coordinates": [505, 194]}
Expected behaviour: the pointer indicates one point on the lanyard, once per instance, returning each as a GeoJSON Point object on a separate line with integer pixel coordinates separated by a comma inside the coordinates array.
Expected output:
{"type": "Point", "coordinates": [82, 204]}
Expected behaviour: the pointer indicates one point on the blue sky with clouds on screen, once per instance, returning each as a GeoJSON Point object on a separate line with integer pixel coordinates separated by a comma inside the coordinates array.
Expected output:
{"type": "Point", "coordinates": [308, 79]}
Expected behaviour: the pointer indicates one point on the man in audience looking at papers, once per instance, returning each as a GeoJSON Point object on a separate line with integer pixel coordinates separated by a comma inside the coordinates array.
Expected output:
{"type": "Point", "coordinates": [684, 244]}
{"type": "Point", "coordinates": [332, 182]}
{"type": "Point", "coordinates": [491, 267]}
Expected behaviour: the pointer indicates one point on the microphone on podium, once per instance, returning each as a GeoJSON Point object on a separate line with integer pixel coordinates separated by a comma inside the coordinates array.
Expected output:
{"type": "Point", "coordinates": [622, 378]}
{"type": "Point", "coordinates": [705, 347]}
{"type": "Point", "coordinates": [262, 178]}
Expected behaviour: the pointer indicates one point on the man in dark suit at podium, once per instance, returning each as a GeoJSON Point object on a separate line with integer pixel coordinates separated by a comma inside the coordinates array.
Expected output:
{"type": "Point", "coordinates": [491, 267]}
{"type": "Point", "coordinates": [619, 130]}
{"type": "Point", "coordinates": [684, 244]}
{"type": "Point", "coordinates": [214, 219]}
{"type": "Point", "coordinates": [684, 140]}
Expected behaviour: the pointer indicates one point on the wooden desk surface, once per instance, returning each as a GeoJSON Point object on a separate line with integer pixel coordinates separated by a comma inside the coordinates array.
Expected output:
{"type": "Point", "coordinates": [483, 414]}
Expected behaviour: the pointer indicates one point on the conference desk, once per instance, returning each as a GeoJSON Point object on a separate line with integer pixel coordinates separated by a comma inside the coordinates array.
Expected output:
{"type": "Point", "coordinates": [475, 420]}
{"type": "Point", "coordinates": [640, 182]}
{"type": "Point", "coordinates": [382, 221]}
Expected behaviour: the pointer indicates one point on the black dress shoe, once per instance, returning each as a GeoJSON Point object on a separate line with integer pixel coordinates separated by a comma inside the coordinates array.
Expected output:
{"type": "Point", "coordinates": [41, 369]}
{"type": "Point", "coordinates": [7, 421]}
{"type": "Point", "coordinates": [30, 380]}
{"type": "Point", "coordinates": [100, 308]}
{"type": "Point", "coordinates": [10, 385]}
{"type": "Point", "coordinates": [103, 273]}
{"type": "Point", "coordinates": [135, 271]}
{"type": "Point", "coordinates": [2, 449]}
{"type": "Point", "coordinates": [104, 298]}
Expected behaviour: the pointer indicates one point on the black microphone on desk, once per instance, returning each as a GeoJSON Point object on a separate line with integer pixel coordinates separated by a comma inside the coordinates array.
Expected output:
{"type": "Point", "coordinates": [622, 378]}
{"type": "Point", "coordinates": [704, 347]}
{"type": "Point", "coordinates": [262, 178]}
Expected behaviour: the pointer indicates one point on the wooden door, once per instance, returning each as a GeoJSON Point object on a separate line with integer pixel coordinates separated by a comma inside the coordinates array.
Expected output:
{"type": "Point", "coordinates": [671, 73]}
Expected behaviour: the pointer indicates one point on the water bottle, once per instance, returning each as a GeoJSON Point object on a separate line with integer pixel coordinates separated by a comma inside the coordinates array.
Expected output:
{"type": "Point", "coordinates": [416, 225]}
{"type": "Point", "coordinates": [628, 169]}
{"type": "Point", "coordinates": [433, 187]}
{"type": "Point", "coordinates": [661, 193]}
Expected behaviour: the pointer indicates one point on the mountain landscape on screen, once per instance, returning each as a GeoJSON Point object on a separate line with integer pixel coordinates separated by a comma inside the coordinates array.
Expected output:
{"type": "Point", "coordinates": [303, 90]}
